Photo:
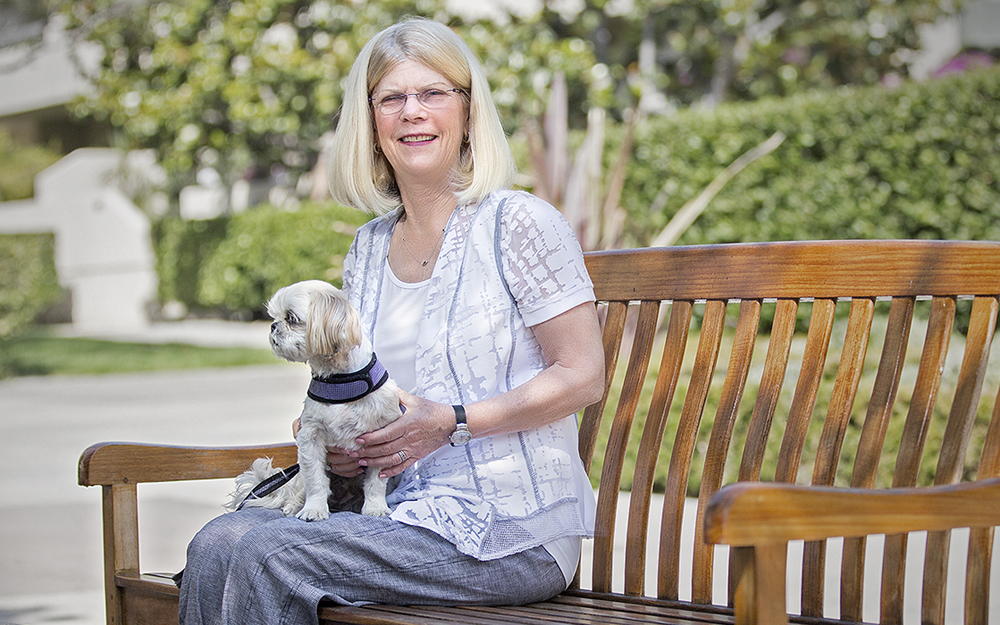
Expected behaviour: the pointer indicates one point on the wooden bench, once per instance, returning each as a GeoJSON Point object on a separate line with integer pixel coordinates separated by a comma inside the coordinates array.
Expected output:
{"type": "Point", "coordinates": [839, 388]}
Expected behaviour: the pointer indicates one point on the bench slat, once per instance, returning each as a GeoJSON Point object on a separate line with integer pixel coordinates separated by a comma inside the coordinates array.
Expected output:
{"type": "Point", "coordinates": [766, 403]}
{"type": "Point", "coordinates": [718, 445]}
{"type": "Point", "coordinates": [816, 269]}
{"type": "Point", "coordinates": [806, 389]}
{"type": "Point", "coordinates": [650, 444]}
{"type": "Point", "coordinates": [621, 428]}
{"type": "Point", "coordinates": [873, 432]}
{"type": "Point", "coordinates": [687, 434]}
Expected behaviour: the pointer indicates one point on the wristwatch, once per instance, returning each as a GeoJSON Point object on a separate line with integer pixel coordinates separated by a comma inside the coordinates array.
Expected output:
{"type": "Point", "coordinates": [461, 435]}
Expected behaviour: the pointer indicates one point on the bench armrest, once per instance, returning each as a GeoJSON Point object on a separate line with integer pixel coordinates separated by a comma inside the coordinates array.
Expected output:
{"type": "Point", "coordinates": [758, 513]}
{"type": "Point", "coordinates": [106, 464]}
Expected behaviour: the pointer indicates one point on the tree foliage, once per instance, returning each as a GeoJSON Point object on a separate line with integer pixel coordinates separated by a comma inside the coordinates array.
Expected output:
{"type": "Point", "coordinates": [710, 51]}
{"type": "Point", "coordinates": [247, 86]}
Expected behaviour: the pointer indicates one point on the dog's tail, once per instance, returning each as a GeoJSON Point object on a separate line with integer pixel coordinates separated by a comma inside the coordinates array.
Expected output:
{"type": "Point", "coordinates": [263, 486]}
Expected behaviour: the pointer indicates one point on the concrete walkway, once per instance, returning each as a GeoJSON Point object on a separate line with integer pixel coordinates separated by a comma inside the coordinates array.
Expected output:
{"type": "Point", "coordinates": [50, 530]}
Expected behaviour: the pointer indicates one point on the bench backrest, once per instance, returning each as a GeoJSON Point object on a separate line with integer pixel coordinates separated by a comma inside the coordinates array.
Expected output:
{"type": "Point", "coordinates": [851, 363]}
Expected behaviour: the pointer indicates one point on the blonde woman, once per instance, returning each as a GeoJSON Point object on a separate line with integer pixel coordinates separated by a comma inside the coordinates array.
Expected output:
{"type": "Point", "coordinates": [478, 302]}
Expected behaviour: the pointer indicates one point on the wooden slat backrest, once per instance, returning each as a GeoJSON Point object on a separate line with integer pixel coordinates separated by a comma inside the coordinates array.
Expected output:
{"type": "Point", "coordinates": [791, 362]}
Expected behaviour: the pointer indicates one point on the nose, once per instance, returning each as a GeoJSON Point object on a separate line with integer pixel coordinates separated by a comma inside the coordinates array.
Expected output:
{"type": "Point", "coordinates": [274, 327]}
{"type": "Point", "coordinates": [412, 107]}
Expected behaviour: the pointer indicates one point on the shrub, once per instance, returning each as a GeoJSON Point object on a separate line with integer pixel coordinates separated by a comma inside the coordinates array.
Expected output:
{"type": "Point", "coordinates": [920, 161]}
{"type": "Point", "coordinates": [28, 281]}
{"type": "Point", "coordinates": [18, 167]}
{"type": "Point", "coordinates": [267, 248]}
{"type": "Point", "coordinates": [181, 247]}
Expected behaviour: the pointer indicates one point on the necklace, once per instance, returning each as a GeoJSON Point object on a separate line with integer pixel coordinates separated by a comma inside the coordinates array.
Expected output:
{"type": "Point", "coordinates": [423, 263]}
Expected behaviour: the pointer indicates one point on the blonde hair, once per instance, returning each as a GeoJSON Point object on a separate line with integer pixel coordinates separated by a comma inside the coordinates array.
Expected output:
{"type": "Point", "coordinates": [361, 177]}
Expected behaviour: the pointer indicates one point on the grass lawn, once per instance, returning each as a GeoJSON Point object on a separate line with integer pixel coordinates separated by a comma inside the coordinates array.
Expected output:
{"type": "Point", "coordinates": [41, 354]}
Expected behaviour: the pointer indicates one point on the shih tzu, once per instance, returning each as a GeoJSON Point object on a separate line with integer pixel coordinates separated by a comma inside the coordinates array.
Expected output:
{"type": "Point", "coordinates": [350, 394]}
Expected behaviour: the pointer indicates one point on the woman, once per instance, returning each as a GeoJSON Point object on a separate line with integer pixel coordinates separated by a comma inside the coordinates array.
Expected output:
{"type": "Point", "coordinates": [478, 302]}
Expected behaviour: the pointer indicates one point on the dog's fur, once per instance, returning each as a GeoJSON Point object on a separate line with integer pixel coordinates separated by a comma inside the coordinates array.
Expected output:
{"type": "Point", "coordinates": [315, 324]}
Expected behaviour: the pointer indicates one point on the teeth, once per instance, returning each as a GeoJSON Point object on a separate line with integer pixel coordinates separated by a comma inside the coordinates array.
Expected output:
{"type": "Point", "coordinates": [417, 138]}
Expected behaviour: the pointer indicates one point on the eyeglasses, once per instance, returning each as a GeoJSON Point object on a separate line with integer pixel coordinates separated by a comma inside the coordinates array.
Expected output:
{"type": "Point", "coordinates": [428, 98]}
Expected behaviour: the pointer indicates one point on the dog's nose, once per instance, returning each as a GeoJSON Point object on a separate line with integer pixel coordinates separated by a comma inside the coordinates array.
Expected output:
{"type": "Point", "coordinates": [274, 327]}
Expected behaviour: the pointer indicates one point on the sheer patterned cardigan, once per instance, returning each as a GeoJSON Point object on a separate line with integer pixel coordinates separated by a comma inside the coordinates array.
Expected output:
{"type": "Point", "coordinates": [506, 264]}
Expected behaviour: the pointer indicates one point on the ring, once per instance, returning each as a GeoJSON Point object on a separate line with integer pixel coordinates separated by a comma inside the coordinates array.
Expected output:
{"type": "Point", "coordinates": [402, 456]}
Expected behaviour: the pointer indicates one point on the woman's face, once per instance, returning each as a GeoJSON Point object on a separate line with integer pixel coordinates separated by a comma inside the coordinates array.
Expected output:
{"type": "Point", "coordinates": [422, 143]}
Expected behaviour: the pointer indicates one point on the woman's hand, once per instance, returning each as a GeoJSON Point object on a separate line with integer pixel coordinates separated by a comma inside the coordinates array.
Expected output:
{"type": "Point", "coordinates": [424, 427]}
{"type": "Point", "coordinates": [342, 463]}
{"type": "Point", "coordinates": [338, 461]}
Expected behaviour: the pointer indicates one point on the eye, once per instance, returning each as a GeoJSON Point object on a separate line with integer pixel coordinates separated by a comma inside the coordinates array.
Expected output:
{"type": "Point", "coordinates": [392, 100]}
{"type": "Point", "coordinates": [291, 319]}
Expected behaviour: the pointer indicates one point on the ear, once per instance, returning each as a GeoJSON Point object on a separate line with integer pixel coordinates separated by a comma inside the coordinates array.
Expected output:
{"type": "Point", "coordinates": [332, 325]}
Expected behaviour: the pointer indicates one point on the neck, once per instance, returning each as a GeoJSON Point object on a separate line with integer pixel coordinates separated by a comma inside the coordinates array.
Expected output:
{"type": "Point", "coordinates": [427, 210]}
{"type": "Point", "coordinates": [342, 362]}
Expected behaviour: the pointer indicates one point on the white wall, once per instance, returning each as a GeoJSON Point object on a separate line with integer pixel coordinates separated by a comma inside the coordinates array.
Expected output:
{"type": "Point", "coordinates": [103, 251]}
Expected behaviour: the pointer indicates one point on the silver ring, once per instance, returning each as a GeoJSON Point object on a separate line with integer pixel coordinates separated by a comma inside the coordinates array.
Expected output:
{"type": "Point", "coordinates": [402, 456]}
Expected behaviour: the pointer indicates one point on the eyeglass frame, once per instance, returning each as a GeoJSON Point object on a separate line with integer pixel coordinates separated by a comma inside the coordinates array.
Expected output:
{"type": "Point", "coordinates": [377, 105]}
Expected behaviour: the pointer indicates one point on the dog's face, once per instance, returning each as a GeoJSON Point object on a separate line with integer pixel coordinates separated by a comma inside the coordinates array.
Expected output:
{"type": "Point", "coordinates": [313, 322]}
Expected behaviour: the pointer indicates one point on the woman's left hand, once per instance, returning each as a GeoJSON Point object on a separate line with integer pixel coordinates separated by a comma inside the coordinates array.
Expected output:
{"type": "Point", "coordinates": [424, 427]}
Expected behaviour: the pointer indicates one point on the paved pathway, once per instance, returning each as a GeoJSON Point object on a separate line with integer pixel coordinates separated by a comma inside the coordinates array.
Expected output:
{"type": "Point", "coordinates": [50, 532]}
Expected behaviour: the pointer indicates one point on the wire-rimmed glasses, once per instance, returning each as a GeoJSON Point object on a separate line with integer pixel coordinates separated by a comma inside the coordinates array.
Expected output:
{"type": "Point", "coordinates": [432, 98]}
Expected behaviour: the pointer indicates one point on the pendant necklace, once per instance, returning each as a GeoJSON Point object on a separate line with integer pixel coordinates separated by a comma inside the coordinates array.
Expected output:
{"type": "Point", "coordinates": [423, 263]}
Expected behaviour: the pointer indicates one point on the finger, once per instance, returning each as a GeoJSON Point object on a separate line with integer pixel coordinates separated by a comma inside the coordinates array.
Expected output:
{"type": "Point", "coordinates": [386, 459]}
{"type": "Point", "coordinates": [396, 469]}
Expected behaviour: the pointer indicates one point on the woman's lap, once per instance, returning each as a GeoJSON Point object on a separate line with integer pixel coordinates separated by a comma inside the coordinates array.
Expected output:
{"type": "Point", "coordinates": [259, 566]}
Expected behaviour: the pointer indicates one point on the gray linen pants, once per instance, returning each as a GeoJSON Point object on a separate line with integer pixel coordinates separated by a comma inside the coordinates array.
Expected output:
{"type": "Point", "coordinates": [258, 566]}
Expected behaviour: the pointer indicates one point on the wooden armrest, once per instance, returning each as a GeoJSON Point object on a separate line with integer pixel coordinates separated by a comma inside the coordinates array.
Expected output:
{"type": "Point", "coordinates": [758, 513]}
{"type": "Point", "coordinates": [131, 463]}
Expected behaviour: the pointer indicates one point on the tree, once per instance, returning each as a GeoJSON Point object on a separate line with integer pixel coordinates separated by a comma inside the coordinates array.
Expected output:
{"type": "Point", "coordinates": [251, 85]}
{"type": "Point", "coordinates": [709, 51]}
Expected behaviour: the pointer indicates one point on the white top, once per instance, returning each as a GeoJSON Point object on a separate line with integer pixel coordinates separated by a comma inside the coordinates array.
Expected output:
{"type": "Point", "coordinates": [397, 348]}
{"type": "Point", "coordinates": [396, 328]}
{"type": "Point", "coordinates": [505, 265]}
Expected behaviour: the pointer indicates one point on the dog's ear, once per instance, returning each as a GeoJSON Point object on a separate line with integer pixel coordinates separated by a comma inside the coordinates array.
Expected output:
{"type": "Point", "coordinates": [332, 325]}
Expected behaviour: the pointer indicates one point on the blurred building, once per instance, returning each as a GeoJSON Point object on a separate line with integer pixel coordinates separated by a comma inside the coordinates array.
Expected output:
{"type": "Point", "coordinates": [40, 73]}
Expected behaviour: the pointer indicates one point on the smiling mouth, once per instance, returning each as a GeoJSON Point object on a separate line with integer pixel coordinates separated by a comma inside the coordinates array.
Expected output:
{"type": "Point", "coordinates": [417, 138]}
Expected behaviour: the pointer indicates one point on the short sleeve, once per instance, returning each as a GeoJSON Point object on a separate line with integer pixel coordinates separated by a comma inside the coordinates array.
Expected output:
{"type": "Point", "coordinates": [542, 260]}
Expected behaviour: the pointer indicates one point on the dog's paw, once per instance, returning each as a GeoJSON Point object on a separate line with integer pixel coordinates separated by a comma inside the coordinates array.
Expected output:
{"type": "Point", "coordinates": [313, 513]}
{"type": "Point", "coordinates": [375, 508]}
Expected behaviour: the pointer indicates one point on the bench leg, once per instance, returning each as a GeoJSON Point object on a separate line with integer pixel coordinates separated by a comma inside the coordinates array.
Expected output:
{"type": "Point", "coordinates": [121, 544]}
{"type": "Point", "coordinates": [760, 584]}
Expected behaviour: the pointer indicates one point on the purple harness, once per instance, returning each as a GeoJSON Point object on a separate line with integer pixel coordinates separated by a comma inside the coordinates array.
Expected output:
{"type": "Point", "coordinates": [341, 388]}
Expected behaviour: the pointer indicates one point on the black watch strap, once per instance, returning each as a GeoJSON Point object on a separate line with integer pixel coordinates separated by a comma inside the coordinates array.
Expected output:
{"type": "Point", "coordinates": [461, 435]}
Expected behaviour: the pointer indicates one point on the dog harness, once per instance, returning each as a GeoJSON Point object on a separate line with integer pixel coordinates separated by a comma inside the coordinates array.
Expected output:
{"type": "Point", "coordinates": [341, 388]}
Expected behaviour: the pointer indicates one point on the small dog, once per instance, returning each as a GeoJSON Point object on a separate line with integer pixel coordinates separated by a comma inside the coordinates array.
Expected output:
{"type": "Point", "coordinates": [350, 394]}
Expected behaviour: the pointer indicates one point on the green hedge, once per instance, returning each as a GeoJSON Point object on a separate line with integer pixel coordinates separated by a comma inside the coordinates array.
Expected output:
{"type": "Point", "coordinates": [919, 161]}
{"type": "Point", "coordinates": [234, 264]}
{"type": "Point", "coordinates": [19, 164]}
{"type": "Point", "coordinates": [181, 248]}
{"type": "Point", "coordinates": [28, 281]}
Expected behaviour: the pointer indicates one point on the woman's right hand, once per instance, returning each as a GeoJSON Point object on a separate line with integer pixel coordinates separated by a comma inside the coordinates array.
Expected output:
{"type": "Point", "coordinates": [338, 461]}
{"type": "Point", "coordinates": [341, 463]}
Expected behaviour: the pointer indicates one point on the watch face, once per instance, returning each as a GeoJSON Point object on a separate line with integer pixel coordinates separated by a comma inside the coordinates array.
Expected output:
{"type": "Point", "coordinates": [461, 436]}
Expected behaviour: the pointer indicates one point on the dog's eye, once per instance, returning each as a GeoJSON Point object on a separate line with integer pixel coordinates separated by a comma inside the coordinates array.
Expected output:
{"type": "Point", "coordinates": [291, 319]}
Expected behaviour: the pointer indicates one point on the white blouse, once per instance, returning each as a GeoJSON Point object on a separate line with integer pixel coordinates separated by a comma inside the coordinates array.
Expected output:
{"type": "Point", "coordinates": [507, 264]}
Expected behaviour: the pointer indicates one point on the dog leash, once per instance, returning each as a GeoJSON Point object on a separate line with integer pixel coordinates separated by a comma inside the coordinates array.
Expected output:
{"type": "Point", "coordinates": [271, 484]}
